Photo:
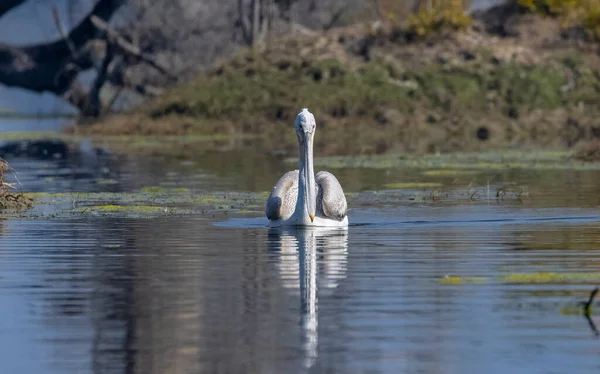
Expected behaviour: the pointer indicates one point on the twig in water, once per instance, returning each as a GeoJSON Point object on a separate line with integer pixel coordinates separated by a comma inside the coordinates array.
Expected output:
{"type": "Point", "coordinates": [587, 308]}
{"type": "Point", "coordinates": [500, 193]}
{"type": "Point", "coordinates": [15, 174]}
{"type": "Point", "coordinates": [587, 312]}
{"type": "Point", "coordinates": [519, 195]}
{"type": "Point", "coordinates": [472, 197]}
{"type": "Point", "coordinates": [592, 325]}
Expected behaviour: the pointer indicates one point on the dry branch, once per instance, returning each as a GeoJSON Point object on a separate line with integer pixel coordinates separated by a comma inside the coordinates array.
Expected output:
{"type": "Point", "coordinates": [94, 106]}
{"type": "Point", "coordinates": [128, 48]}
{"type": "Point", "coordinates": [63, 32]}
{"type": "Point", "coordinates": [52, 67]}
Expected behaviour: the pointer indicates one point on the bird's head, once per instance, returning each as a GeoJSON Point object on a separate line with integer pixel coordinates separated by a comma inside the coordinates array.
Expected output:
{"type": "Point", "coordinates": [305, 125]}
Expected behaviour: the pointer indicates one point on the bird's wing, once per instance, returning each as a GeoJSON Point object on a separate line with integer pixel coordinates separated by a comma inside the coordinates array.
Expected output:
{"type": "Point", "coordinates": [331, 201]}
{"type": "Point", "coordinates": [282, 200]}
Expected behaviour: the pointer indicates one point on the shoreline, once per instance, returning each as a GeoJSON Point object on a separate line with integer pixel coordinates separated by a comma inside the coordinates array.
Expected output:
{"type": "Point", "coordinates": [374, 91]}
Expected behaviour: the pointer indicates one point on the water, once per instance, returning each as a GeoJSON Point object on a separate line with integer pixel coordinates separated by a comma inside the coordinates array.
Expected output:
{"type": "Point", "coordinates": [227, 294]}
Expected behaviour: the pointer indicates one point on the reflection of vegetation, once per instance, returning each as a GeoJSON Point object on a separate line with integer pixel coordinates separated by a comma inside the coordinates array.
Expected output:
{"type": "Point", "coordinates": [453, 162]}
{"type": "Point", "coordinates": [447, 172]}
{"type": "Point", "coordinates": [409, 185]}
{"type": "Point", "coordinates": [156, 189]}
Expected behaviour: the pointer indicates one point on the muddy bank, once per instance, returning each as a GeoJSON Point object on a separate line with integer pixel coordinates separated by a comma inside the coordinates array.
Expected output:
{"type": "Point", "coordinates": [379, 90]}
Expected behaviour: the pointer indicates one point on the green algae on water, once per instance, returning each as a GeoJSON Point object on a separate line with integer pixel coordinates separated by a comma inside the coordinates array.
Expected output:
{"type": "Point", "coordinates": [529, 278]}
{"type": "Point", "coordinates": [130, 208]}
{"type": "Point", "coordinates": [137, 211]}
{"type": "Point", "coordinates": [456, 280]}
{"type": "Point", "coordinates": [152, 202]}
{"type": "Point", "coordinates": [538, 278]}
{"type": "Point", "coordinates": [411, 185]}
{"type": "Point", "coordinates": [573, 310]}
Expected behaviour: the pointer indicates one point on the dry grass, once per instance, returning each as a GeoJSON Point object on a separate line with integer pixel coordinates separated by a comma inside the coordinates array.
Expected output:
{"type": "Point", "coordinates": [374, 90]}
{"type": "Point", "coordinates": [9, 199]}
{"type": "Point", "coordinates": [588, 151]}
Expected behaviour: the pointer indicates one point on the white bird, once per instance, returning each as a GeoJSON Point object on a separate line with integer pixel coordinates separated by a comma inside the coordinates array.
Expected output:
{"type": "Point", "coordinates": [300, 199]}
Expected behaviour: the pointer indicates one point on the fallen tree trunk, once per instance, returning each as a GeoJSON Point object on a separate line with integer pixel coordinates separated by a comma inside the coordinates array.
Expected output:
{"type": "Point", "coordinates": [53, 67]}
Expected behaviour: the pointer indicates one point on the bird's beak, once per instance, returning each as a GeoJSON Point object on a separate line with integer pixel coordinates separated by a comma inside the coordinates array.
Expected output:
{"type": "Point", "coordinates": [309, 177]}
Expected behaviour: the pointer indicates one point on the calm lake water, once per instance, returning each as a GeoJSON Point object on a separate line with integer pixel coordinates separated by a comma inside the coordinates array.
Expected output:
{"type": "Point", "coordinates": [225, 294]}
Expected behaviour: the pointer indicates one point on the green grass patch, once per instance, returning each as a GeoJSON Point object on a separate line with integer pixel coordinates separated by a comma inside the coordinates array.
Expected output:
{"type": "Point", "coordinates": [454, 162]}
{"type": "Point", "coordinates": [277, 88]}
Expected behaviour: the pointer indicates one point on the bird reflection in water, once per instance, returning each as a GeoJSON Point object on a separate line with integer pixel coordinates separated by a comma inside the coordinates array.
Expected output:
{"type": "Point", "coordinates": [309, 260]}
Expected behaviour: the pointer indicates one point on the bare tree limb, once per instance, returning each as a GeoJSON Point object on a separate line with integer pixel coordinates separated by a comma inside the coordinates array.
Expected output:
{"type": "Point", "coordinates": [48, 67]}
{"type": "Point", "coordinates": [118, 78]}
{"type": "Point", "coordinates": [113, 100]}
{"type": "Point", "coordinates": [127, 48]}
{"type": "Point", "coordinates": [255, 20]}
{"type": "Point", "coordinates": [244, 24]}
{"type": "Point", "coordinates": [62, 31]}
{"type": "Point", "coordinates": [145, 89]}
{"type": "Point", "coordinates": [77, 96]}
{"type": "Point", "coordinates": [335, 17]}
{"type": "Point", "coordinates": [377, 9]}
{"type": "Point", "coordinates": [94, 107]}
{"type": "Point", "coordinates": [266, 20]}
{"type": "Point", "coordinates": [79, 35]}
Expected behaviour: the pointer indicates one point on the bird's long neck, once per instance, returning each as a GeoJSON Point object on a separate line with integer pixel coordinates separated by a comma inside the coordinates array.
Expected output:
{"type": "Point", "coordinates": [306, 181]}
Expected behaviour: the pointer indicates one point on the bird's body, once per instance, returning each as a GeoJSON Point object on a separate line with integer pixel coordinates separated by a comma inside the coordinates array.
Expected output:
{"type": "Point", "coordinates": [300, 199]}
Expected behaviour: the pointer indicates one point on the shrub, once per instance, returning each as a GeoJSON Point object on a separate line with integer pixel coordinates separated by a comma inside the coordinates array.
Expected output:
{"type": "Point", "coordinates": [552, 7]}
{"type": "Point", "coordinates": [591, 20]}
{"type": "Point", "coordinates": [574, 13]}
{"type": "Point", "coordinates": [436, 15]}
